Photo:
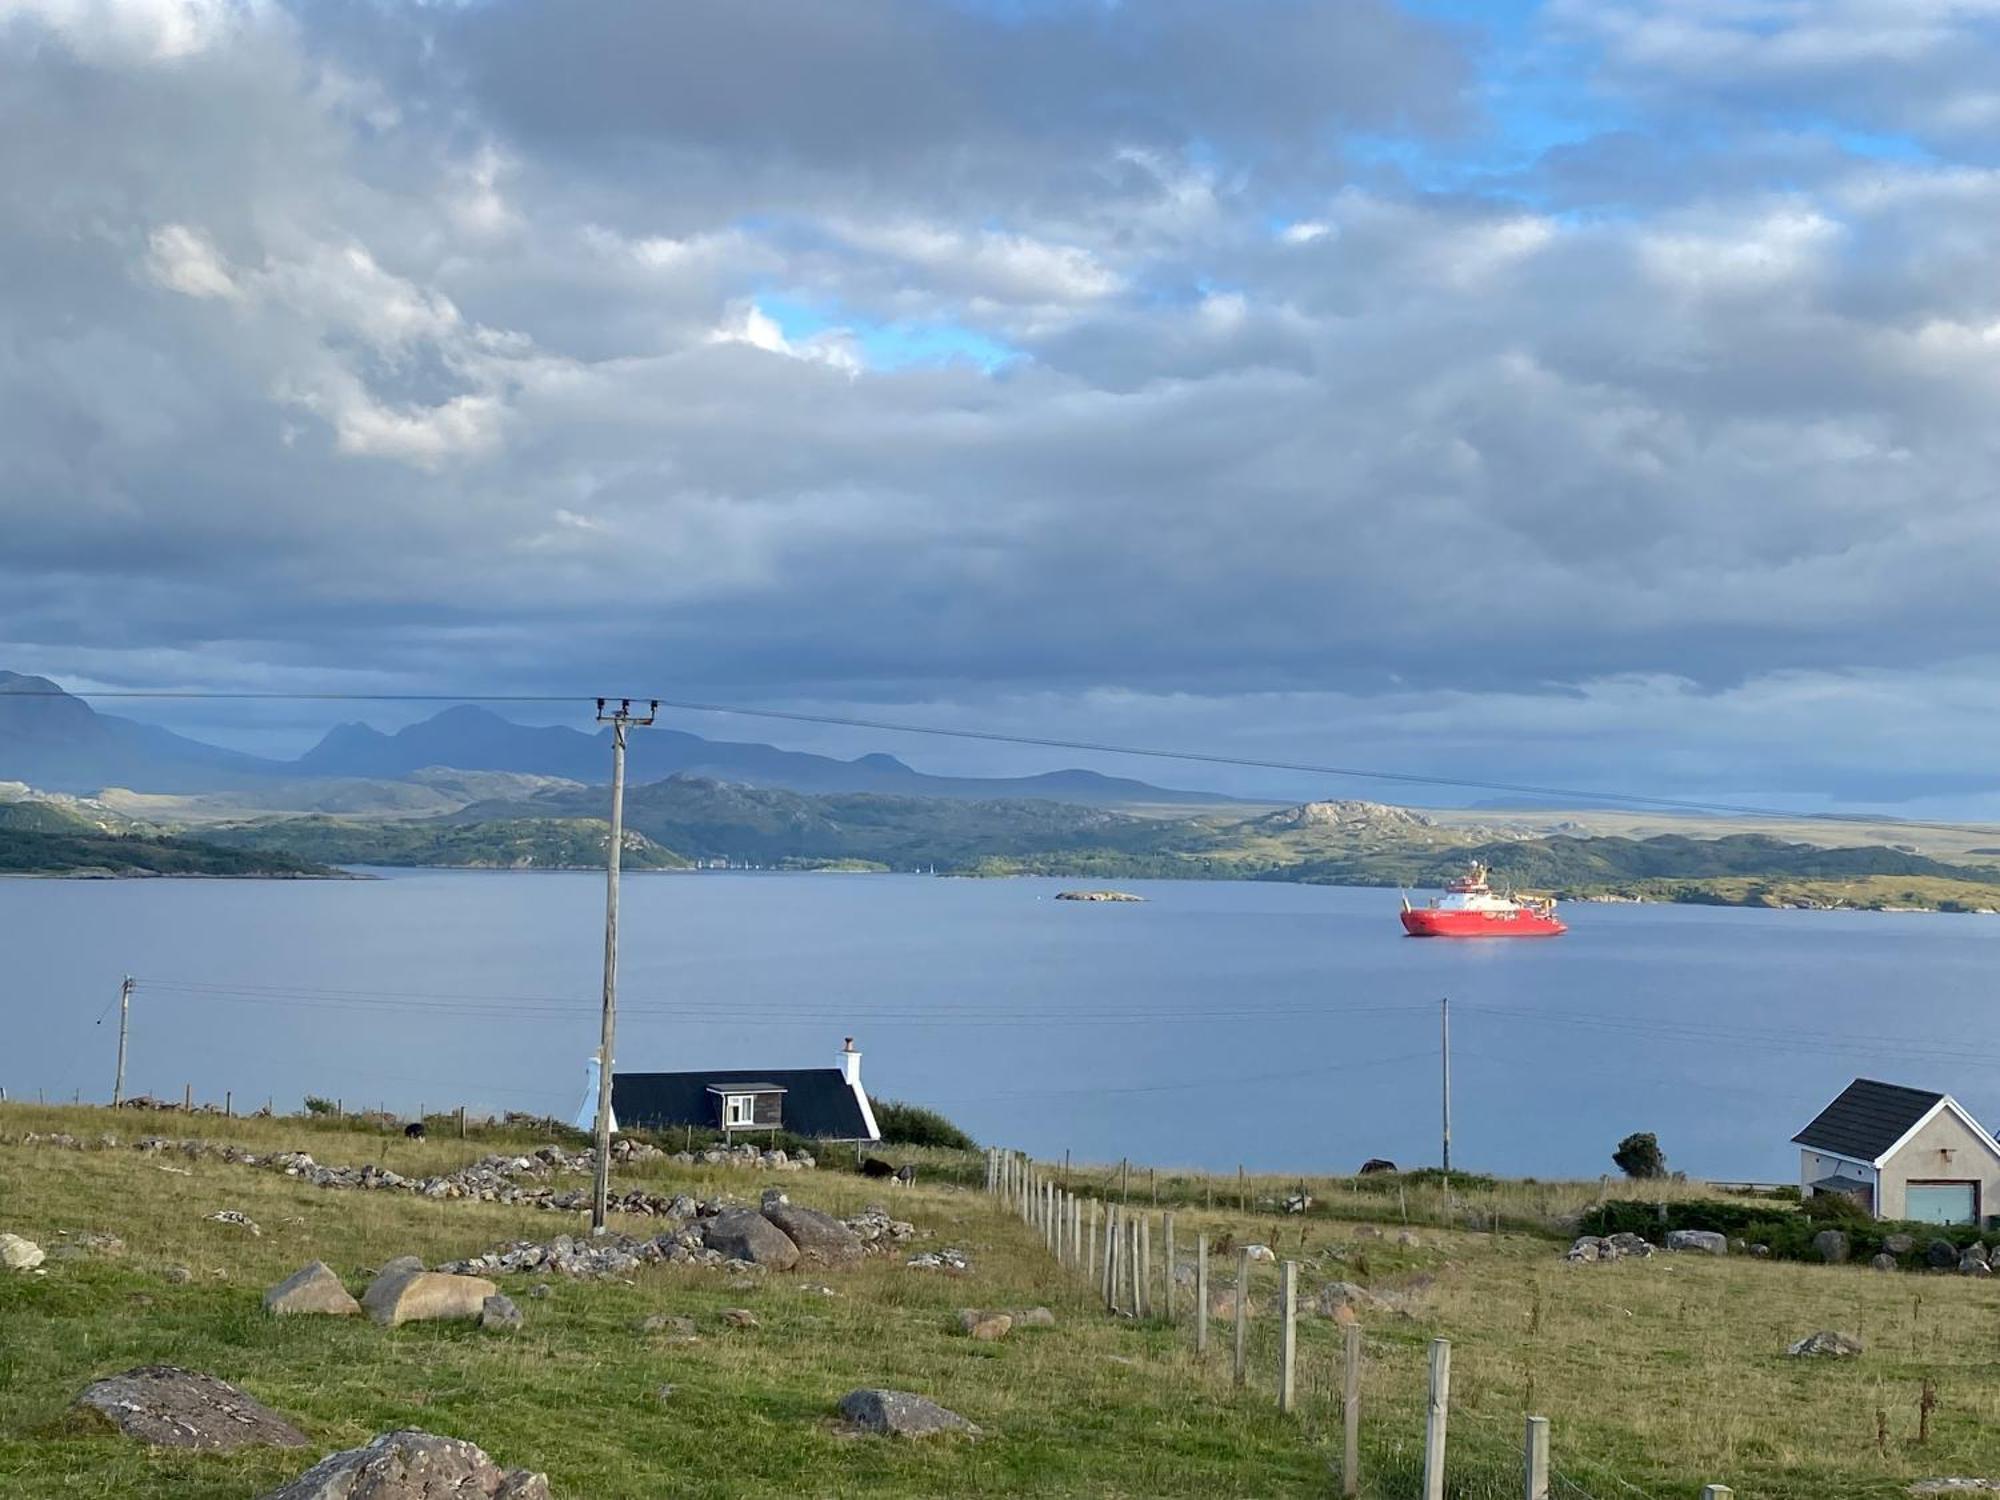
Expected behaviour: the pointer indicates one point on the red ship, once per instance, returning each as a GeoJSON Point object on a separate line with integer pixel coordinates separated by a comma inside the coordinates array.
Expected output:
{"type": "Point", "coordinates": [1469, 909]}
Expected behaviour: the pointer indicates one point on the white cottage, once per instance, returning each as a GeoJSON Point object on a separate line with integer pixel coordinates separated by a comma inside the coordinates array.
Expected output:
{"type": "Point", "coordinates": [1902, 1153]}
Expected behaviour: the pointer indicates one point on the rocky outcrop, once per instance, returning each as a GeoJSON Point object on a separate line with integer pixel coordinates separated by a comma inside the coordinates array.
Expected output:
{"type": "Point", "coordinates": [902, 1414]}
{"type": "Point", "coordinates": [165, 1406]}
{"type": "Point", "coordinates": [412, 1466]}
{"type": "Point", "coordinates": [1589, 1249]}
{"type": "Point", "coordinates": [1826, 1344]}
{"type": "Point", "coordinates": [1097, 896]}
{"type": "Point", "coordinates": [746, 1235]}
{"type": "Point", "coordinates": [311, 1289]}
{"type": "Point", "coordinates": [397, 1297]}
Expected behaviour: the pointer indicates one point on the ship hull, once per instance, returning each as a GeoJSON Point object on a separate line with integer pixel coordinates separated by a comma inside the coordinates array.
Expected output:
{"type": "Point", "coordinates": [1424, 921]}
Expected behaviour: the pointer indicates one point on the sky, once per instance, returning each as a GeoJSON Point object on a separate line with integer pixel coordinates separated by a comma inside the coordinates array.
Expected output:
{"type": "Point", "coordinates": [1593, 392]}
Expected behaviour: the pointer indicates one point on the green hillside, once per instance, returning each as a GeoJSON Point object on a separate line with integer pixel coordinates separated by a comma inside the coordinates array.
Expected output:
{"type": "Point", "coordinates": [30, 852]}
{"type": "Point", "coordinates": [499, 844]}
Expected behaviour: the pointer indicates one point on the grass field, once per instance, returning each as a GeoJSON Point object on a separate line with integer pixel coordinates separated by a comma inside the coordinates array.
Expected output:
{"type": "Point", "coordinates": [1657, 1375]}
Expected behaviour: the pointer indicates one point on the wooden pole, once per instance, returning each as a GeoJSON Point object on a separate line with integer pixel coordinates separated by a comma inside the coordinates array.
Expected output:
{"type": "Point", "coordinates": [1090, 1258]}
{"type": "Point", "coordinates": [1350, 1412]}
{"type": "Point", "coordinates": [1242, 1193]}
{"type": "Point", "coordinates": [1169, 1289]}
{"type": "Point", "coordinates": [187, 1097]}
{"type": "Point", "coordinates": [1201, 1295]}
{"type": "Point", "coordinates": [124, 1022]}
{"type": "Point", "coordinates": [228, 1104]}
{"type": "Point", "coordinates": [1110, 1257]}
{"type": "Point", "coordinates": [1435, 1412]}
{"type": "Point", "coordinates": [1535, 1459]}
{"type": "Point", "coordinates": [1145, 1298]}
{"type": "Point", "coordinates": [1288, 1335]}
{"type": "Point", "coordinates": [1242, 1312]}
{"type": "Point", "coordinates": [461, 1122]}
{"type": "Point", "coordinates": [1137, 1278]}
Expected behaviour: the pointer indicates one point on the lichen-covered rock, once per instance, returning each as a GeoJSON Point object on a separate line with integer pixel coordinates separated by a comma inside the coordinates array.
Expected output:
{"type": "Point", "coordinates": [746, 1235]}
{"type": "Point", "coordinates": [17, 1254]}
{"type": "Point", "coordinates": [902, 1414]}
{"type": "Point", "coordinates": [1826, 1344]}
{"type": "Point", "coordinates": [425, 1296]}
{"type": "Point", "coordinates": [1884, 1261]}
{"type": "Point", "coordinates": [312, 1288]}
{"type": "Point", "coordinates": [412, 1466]}
{"type": "Point", "coordinates": [1899, 1244]}
{"type": "Point", "coordinates": [165, 1406]}
{"type": "Point", "coordinates": [498, 1314]}
{"type": "Point", "coordinates": [1034, 1317]}
{"type": "Point", "coordinates": [1831, 1246]}
{"type": "Point", "coordinates": [822, 1240]}
{"type": "Point", "coordinates": [987, 1327]}
{"type": "Point", "coordinates": [1701, 1241]}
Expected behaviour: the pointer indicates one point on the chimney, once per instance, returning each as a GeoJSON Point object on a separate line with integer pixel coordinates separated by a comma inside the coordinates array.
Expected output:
{"type": "Point", "coordinates": [850, 1062]}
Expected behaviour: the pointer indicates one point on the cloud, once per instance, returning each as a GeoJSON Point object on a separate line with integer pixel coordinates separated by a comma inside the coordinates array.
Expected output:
{"type": "Point", "coordinates": [518, 344]}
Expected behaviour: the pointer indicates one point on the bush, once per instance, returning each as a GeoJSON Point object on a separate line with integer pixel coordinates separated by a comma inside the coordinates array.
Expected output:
{"type": "Point", "coordinates": [913, 1125]}
{"type": "Point", "coordinates": [1835, 1208]}
{"type": "Point", "coordinates": [1639, 1155]}
{"type": "Point", "coordinates": [1788, 1231]}
{"type": "Point", "coordinates": [318, 1106]}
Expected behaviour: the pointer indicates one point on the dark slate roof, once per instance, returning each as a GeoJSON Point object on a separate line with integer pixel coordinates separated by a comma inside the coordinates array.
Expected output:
{"type": "Point", "coordinates": [818, 1101]}
{"type": "Point", "coordinates": [1867, 1119]}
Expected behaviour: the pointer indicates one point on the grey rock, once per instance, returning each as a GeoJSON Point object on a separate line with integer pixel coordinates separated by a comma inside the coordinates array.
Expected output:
{"type": "Point", "coordinates": [312, 1288]}
{"type": "Point", "coordinates": [1761, 1251]}
{"type": "Point", "coordinates": [402, 1265]}
{"type": "Point", "coordinates": [1034, 1317]}
{"type": "Point", "coordinates": [1627, 1244]}
{"type": "Point", "coordinates": [1826, 1344]}
{"type": "Point", "coordinates": [1700, 1241]}
{"type": "Point", "coordinates": [901, 1414]}
{"type": "Point", "coordinates": [165, 1406]}
{"type": "Point", "coordinates": [1883, 1262]}
{"type": "Point", "coordinates": [1941, 1254]}
{"type": "Point", "coordinates": [1831, 1246]}
{"type": "Point", "coordinates": [680, 1327]}
{"type": "Point", "coordinates": [1973, 1264]}
{"type": "Point", "coordinates": [178, 1275]}
{"type": "Point", "coordinates": [412, 1466]}
{"type": "Point", "coordinates": [498, 1314]}
{"type": "Point", "coordinates": [984, 1326]}
{"type": "Point", "coordinates": [822, 1239]}
{"type": "Point", "coordinates": [1587, 1250]}
{"type": "Point", "coordinates": [1899, 1244]}
{"type": "Point", "coordinates": [17, 1254]}
{"type": "Point", "coordinates": [746, 1235]}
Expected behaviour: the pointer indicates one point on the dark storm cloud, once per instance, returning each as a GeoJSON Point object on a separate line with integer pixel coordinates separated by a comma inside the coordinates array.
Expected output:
{"type": "Point", "coordinates": [530, 346]}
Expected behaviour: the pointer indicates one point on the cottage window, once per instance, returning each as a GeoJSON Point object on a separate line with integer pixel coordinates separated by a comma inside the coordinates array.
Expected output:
{"type": "Point", "coordinates": [739, 1109]}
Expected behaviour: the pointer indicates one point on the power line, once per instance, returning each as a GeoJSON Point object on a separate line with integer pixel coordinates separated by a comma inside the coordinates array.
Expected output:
{"type": "Point", "coordinates": [1047, 742]}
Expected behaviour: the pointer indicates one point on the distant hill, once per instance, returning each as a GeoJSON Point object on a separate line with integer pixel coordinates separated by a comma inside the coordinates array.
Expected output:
{"type": "Point", "coordinates": [495, 844]}
{"type": "Point", "coordinates": [52, 740]}
{"type": "Point", "coordinates": [58, 742]}
{"type": "Point", "coordinates": [470, 738]}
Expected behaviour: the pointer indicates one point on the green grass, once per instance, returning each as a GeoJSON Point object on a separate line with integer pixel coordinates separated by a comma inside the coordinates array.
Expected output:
{"type": "Point", "coordinates": [1657, 1376]}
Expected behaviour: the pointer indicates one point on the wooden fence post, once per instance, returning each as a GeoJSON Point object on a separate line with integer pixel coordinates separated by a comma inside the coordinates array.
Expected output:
{"type": "Point", "coordinates": [1201, 1295]}
{"type": "Point", "coordinates": [187, 1097]}
{"type": "Point", "coordinates": [1435, 1411]}
{"type": "Point", "coordinates": [461, 1122]}
{"type": "Point", "coordinates": [1111, 1236]}
{"type": "Point", "coordinates": [1288, 1334]}
{"type": "Point", "coordinates": [1169, 1289]}
{"type": "Point", "coordinates": [229, 1104]}
{"type": "Point", "coordinates": [1242, 1311]}
{"type": "Point", "coordinates": [1145, 1297]}
{"type": "Point", "coordinates": [1350, 1412]}
{"type": "Point", "coordinates": [1090, 1253]}
{"type": "Point", "coordinates": [1242, 1193]}
{"type": "Point", "coordinates": [1535, 1460]}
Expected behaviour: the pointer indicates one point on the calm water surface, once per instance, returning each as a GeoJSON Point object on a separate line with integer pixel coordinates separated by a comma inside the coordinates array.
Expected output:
{"type": "Point", "coordinates": [1279, 1026]}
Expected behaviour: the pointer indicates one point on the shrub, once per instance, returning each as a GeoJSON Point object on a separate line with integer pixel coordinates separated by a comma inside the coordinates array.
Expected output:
{"type": "Point", "coordinates": [1835, 1208]}
{"type": "Point", "coordinates": [1787, 1231]}
{"type": "Point", "coordinates": [913, 1125]}
{"type": "Point", "coordinates": [1639, 1155]}
{"type": "Point", "coordinates": [318, 1106]}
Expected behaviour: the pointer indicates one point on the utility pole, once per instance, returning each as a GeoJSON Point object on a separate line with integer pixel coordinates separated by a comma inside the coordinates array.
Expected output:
{"type": "Point", "coordinates": [1444, 1040]}
{"type": "Point", "coordinates": [619, 719]}
{"type": "Point", "coordinates": [124, 1020]}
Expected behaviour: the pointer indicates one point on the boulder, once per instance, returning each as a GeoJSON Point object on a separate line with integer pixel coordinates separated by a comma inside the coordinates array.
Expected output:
{"type": "Point", "coordinates": [1899, 1244]}
{"type": "Point", "coordinates": [1408, 1237]}
{"type": "Point", "coordinates": [412, 1466]}
{"type": "Point", "coordinates": [425, 1297]}
{"type": "Point", "coordinates": [1831, 1246]}
{"type": "Point", "coordinates": [1941, 1254]}
{"type": "Point", "coordinates": [1973, 1264]}
{"type": "Point", "coordinates": [1260, 1252]}
{"type": "Point", "coordinates": [1701, 1241]}
{"type": "Point", "coordinates": [1626, 1244]}
{"type": "Point", "coordinates": [746, 1235]}
{"type": "Point", "coordinates": [17, 1254]}
{"type": "Point", "coordinates": [165, 1406]}
{"type": "Point", "coordinates": [740, 1317]}
{"type": "Point", "coordinates": [1034, 1317]}
{"type": "Point", "coordinates": [311, 1289]}
{"type": "Point", "coordinates": [682, 1328]}
{"type": "Point", "coordinates": [402, 1265]}
{"type": "Point", "coordinates": [1587, 1249]}
{"type": "Point", "coordinates": [498, 1314]}
{"type": "Point", "coordinates": [1883, 1262]}
{"type": "Point", "coordinates": [1826, 1344]}
{"type": "Point", "coordinates": [984, 1326]}
{"type": "Point", "coordinates": [822, 1240]}
{"type": "Point", "coordinates": [901, 1414]}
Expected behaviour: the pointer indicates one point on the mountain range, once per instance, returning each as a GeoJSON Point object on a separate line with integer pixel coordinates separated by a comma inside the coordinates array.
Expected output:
{"type": "Point", "coordinates": [53, 740]}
